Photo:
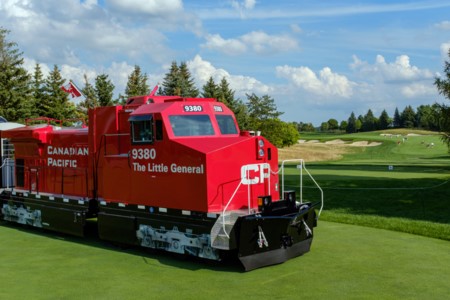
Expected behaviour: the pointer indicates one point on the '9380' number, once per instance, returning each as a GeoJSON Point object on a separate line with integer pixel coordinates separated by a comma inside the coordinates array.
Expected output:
{"type": "Point", "coordinates": [145, 153]}
{"type": "Point", "coordinates": [193, 108]}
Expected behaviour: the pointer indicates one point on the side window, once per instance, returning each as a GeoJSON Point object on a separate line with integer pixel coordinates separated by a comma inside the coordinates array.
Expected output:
{"type": "Point", "coordinates": [226, 124]}
{"type": "Point", "coordinates": [141, 129]}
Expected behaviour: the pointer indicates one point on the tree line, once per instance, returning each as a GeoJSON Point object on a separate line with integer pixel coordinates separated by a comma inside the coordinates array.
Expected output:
{"type": "Point", "coordinates": [426, 117]}
{"type": "Point", "coordinates": [24, 95]}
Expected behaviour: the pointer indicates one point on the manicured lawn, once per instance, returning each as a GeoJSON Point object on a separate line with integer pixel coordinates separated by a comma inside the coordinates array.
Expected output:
{"type": "Point", "coordinates": [398, 185]}
{"type": "Point", "coordinates": [346, 262]}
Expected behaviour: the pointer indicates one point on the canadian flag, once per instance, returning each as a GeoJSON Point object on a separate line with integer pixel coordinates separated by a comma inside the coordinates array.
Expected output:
{"type": "Point", "coordinates": [71, 89]}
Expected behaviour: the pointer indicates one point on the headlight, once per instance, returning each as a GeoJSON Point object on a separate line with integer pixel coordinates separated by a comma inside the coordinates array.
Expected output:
{"type": "Point", "coordinates": [261, 143]}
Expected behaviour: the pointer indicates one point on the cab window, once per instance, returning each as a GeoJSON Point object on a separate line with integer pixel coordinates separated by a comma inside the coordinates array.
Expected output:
{"type": "Point", "coordinates": [141, 129]}
{"type": "Point", "coordinates": [191, 125]}
{"type": "Point", "coordinates": [226, 124]}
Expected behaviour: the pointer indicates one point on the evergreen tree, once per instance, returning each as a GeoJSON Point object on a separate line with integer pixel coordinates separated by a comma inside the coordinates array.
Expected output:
{"type": "Point", "coordinates": [384, 120]}
{"type": "Point", "coordinates": [397, 119]}
{"type": "Point", "coordinates": [178, 82]}
{"type": "Point", "coordinates": [187, 84]}
{"type": "Point", "coordinates": [170, 83]}
{"type": "Point", "coordinates": [37, 90]}
{"type": "Point", "coordinates": [57, 101]}
{"type": "Point", "coordinates": [210, 89]}
{"type": "Point", "coordinates": [443, 86]}
{"type": "Point", "coordinates": [14, 81]}
{"type": "Point", "coordinates": [104, 89]}
{"type": "Point", "coordinates": [137, 84]}
{"type": "Point", "coordinates": [369, 122]}
{"type": "Point", "coordinates": [226, 96]}
{"type": "Point", "coordinates": [90, 101]}
{"type": "Point", "coordinates": [408, 117]}
{"type": "Point", "coordinates": [351, 126]}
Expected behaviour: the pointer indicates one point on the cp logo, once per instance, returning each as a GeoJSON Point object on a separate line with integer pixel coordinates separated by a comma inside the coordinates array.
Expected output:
{"type": "Point", "coordinates": [255, 173]}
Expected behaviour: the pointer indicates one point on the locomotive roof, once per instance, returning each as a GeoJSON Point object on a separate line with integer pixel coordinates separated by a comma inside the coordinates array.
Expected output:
{"type": "Point", "coordinates": [198, 106]}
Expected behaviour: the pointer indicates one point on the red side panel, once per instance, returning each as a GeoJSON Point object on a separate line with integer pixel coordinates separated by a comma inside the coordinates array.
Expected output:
{"type": "Point", "coordinates": [52, 160]}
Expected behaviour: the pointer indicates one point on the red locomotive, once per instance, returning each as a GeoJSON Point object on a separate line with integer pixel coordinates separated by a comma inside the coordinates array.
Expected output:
{"type": "Point", "coordinates": [163, 172]}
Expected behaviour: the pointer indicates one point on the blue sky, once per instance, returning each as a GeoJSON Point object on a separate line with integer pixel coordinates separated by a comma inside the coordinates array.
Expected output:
{"type": "Point", "coordinates": [317, 59]}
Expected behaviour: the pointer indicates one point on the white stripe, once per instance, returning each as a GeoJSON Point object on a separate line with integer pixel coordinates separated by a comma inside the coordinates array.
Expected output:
{"type": "Point", "coordinates": [186, 212]}
{"type": "Point", "coordinates": [162, 209]}
{"type": "Point", "coordinates": [122, 204]}
{"type": "Point", "coordinates": [141, 206]}
{"type": "Point", "coordinates": [65, 200]}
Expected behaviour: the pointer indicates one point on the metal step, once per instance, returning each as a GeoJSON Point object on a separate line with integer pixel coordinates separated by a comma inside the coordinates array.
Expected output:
{"type": "Point", "coordinates": [220, 232]}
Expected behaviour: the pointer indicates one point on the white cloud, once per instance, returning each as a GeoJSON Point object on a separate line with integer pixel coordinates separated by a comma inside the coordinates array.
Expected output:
{"type": "Point", "coordinates": [264, 43]}
{"type": "Point", "coordinates": [415, 90]}
{"type": "Point", "coordinates": [258, 42]}
{"type": "Point", "coordinates": [243, 6]}
{"type": "Point", "coordinates": [229, 46]}
{"type": "Point", "coordinates": [296, 28]}
{"type": "Point", "coordinates": [29, 64]}
{"type": "Point", "coordinates": [445, 48]}
{"type": "Point", "coordinates": [89, 3]}
{"type": "Point", "coordinates": [326, 83]}
{"type": "Point", "coordinates": [444, 25]}
{"type": "Point", "coordinates": [16, 8]}
{"type": "Point", "coordinates": [248, 4]}
{"type": "Point", "coordinates": [150, 7]}
{"type": "Point", "coordinates": [201, 70]}
{"type": "Point", "coordinates": [69, 32]}
{"type": "Point", "coordinates": [400, 70]}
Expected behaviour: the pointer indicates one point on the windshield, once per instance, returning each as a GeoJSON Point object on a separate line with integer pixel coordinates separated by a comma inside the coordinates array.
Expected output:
{"type": "Point", "coordinates": [191, 125]}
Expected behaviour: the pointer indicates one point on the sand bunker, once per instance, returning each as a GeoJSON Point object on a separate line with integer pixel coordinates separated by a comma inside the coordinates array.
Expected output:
{"type": "Point", "coordinates": [365, 144]}
{"type": "Point", "coordinates": [335, 142]}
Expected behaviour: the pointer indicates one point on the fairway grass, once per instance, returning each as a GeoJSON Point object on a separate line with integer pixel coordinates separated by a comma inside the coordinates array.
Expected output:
{"type": "Point", "coordinates": [345, 262]}
{"type": "Point", "coordinates": [401, 184]}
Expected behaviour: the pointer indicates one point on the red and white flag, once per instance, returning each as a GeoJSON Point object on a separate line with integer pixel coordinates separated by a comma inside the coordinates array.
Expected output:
{"type": "Point", "coordinates": [71, 89]}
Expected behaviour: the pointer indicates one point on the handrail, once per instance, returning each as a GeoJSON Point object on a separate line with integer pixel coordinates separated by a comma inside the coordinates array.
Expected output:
{"type": "Point", "coordinates": [302, 166]}
{"type": "Point", "coordinates": [226, 206]}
